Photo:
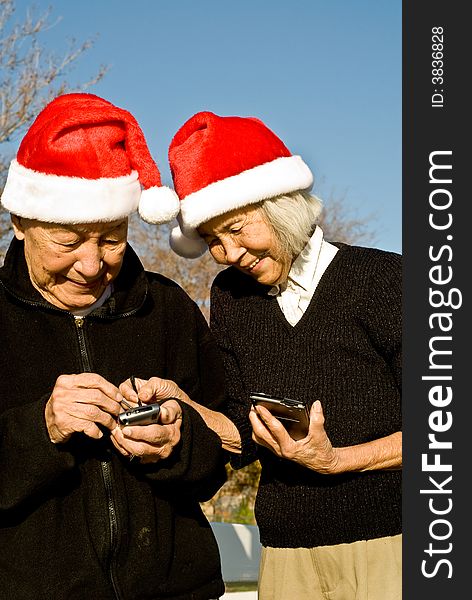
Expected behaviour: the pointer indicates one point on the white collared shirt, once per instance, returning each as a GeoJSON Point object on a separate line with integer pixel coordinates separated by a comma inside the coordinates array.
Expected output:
{"type": "Point", "coordinates": [295, 295]}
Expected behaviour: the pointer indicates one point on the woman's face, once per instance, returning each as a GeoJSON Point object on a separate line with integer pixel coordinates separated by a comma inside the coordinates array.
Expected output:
{"type": "Point", "coordinates": [71, 265]}
{"type": "Point", "coordinates": [242, 238]}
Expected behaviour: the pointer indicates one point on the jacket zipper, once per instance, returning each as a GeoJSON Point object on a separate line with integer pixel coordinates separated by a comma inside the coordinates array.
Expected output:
{"type": "Point", "coordinates": [105, 467]}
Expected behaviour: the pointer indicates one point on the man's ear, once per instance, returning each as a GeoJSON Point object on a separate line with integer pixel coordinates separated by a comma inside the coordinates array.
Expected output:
{"type": "Point", "coordinates": [18, 227]}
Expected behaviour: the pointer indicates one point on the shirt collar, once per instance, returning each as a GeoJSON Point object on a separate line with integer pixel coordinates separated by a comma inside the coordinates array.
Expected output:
{"type": "Point", "coordinates": [304, 266]}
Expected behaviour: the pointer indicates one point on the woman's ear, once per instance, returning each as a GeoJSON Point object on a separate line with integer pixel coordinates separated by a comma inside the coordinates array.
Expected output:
{"type": "Point", "coordinates": [18, 227]}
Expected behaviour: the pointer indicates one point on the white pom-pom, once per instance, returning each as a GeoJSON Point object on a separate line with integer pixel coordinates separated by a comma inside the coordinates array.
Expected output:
{"type": "Point", "coordinates": [158, 205]}
{"type": "Point", "coordinates": [186, 246]}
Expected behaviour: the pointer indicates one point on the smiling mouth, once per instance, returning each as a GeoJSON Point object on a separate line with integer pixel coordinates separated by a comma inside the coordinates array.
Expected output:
{"type": "Point", "coordinates": [86, 284]}
{"type": "Point", "coordinates": [256, 262]}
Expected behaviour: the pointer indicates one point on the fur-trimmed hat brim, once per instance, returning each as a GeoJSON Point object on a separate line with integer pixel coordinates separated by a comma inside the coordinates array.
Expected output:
{"type": "Point", "coordinates": [280, 176]}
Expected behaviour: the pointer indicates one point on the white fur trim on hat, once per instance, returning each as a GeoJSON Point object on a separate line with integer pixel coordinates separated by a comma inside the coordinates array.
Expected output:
{"type": "Point", "coordinates": [188, 247]}
{"type": "Point", "coordinates": [60, 199]}
{"type": "Point", "coordinates": [280, 176]}
{"type": "Point", "coordinates": [159, 205]}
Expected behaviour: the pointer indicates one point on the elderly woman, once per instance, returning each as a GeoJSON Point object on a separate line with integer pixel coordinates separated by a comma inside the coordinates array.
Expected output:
{"type": "Point", "coordinates": [316, 322]}
{"type": "Point", "coordinates": [89, 509]}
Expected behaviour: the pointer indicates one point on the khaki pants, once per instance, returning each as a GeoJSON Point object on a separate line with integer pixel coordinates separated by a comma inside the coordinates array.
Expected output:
{"type": "Point", "coordinates": [366, 570]}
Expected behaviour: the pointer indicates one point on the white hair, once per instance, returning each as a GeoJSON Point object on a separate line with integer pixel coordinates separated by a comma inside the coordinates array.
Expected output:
{"type": "Point", "coordinates": [293, 218]}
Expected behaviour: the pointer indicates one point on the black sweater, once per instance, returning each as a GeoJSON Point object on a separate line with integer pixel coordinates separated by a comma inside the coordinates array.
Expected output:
{"type": "Point", "coordinates": [77, 520]}
{"type": "Point", "coordinates": [346, 352]}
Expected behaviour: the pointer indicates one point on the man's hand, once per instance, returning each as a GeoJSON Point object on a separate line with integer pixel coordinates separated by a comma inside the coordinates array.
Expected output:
{"type": "Point", "coordinates": [151, 443]}
{"type": "Point", "coordinates": [80, 403]}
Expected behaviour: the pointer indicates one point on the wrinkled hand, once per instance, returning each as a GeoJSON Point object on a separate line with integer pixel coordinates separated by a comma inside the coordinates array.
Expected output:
{"type": "Point", "coordinates": [150, 443]}
{"type": "Point", "coordinates": [313, 451]}
{"type": "Point", "coordinates": [80, 403]}
{"type": "Point", "coordinates": [152, 390]}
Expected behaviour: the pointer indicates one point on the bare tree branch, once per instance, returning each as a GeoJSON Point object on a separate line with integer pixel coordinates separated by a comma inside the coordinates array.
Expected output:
{"type": "Point", "coordinates": [29, 75]}
{"type": "Point", "coordinates": [340, 223]}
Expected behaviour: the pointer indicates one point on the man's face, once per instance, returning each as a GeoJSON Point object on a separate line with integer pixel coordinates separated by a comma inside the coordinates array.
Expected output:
{"type": "Point", "coordinates": [71, 265]}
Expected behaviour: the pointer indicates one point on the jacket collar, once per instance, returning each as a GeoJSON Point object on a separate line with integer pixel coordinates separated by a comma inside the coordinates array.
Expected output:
{"type": "Point", "coordinates": [129, 287]}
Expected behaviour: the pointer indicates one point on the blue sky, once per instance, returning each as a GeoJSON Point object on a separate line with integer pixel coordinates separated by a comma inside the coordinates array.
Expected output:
{"type": "Point", "coordinates": [325, 75]}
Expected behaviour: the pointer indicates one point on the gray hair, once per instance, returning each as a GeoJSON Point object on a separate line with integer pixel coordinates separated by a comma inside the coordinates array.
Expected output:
{"type": "Point", "coordinates": [293, 218]}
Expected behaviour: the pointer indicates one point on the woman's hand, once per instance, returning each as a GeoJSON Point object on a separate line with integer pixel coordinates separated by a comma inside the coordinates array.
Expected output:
{"type": "Point", "coordinates": [313, 451]}
{"type": "Point", "coordinates": [316, 452]}
{"type": "Point", "coordinates": [156, 388]}
{"type": "Point", "coordinates": [151, 390]}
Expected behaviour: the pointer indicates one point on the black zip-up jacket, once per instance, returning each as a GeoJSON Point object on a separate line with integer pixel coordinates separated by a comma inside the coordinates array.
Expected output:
{"type": "Point", "coordinates": [77, 520]}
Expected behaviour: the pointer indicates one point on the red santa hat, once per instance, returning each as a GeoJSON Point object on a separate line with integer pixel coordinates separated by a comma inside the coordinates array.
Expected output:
{"type": "Point", "coordinates": [219, 164]}
{"type": "Point", "coordinates": [86, 160]}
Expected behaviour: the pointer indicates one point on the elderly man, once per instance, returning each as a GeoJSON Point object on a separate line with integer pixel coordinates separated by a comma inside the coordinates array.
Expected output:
{"type": "Point", "coordinates": [88, 508]}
